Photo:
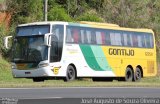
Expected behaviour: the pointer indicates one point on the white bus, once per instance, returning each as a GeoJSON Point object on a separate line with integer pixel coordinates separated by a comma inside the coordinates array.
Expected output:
{"type": "Point", "coordinates": [46, 50]}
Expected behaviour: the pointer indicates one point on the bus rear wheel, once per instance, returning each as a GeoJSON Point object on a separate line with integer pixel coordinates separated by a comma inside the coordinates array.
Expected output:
{"type": "Point", "coordinates": [138, 74]}
{"type": "Point", "coordinates": [70, 74]}
{"type": "Point", "coordinates": [129, 75]}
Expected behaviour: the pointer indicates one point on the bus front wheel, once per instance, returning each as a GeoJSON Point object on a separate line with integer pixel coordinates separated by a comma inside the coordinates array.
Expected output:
{"type": "Point", "coordinates": [129, 75]}
{"type": "Point", "coordinates": [70, 74]}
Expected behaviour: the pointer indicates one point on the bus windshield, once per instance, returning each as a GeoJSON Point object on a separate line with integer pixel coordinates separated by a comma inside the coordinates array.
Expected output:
{"type": "Point", "coordinates": [29, 49]}
{"type": "Point", "coordinates": [33, 30]}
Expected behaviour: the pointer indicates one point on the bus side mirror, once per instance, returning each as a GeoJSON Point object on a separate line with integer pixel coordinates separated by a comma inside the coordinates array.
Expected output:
{"type": "Point", "coordinates": [6, 41]}
{"type": "Point", "coordinates": [47, 39]}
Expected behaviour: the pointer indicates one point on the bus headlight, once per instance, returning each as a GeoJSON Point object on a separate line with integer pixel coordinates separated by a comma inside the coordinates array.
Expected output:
{"type": "Point", "coordinates": [43, 65]}
{"type": "Point", "coordinates": [13, 66]}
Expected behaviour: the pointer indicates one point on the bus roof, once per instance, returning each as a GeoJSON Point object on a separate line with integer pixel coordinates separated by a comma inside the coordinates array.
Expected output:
{"type": "Point", "coordinates": [43, 23]}
{"type": "Point", "coordinates": [99, 24]}
{"type": "Point", "coordinates": [115, 27]}
{"type": "Point", "coordinates": [91, 24]}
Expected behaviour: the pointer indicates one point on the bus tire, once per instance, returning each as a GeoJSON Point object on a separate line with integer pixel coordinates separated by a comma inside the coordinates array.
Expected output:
{"type": "Point", "coordinates": [70, 74]}
{"type": "Point", "coordinates": [129, 75]}
{"type": "Point", "coordinates": [137, 75]}
{"type": "Point", "coordinates": [38, 80]}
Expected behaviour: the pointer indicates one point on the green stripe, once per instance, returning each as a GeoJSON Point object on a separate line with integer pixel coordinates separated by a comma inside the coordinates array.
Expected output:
{"type": "Point", "coordinates": [100, 57]}
{"type": "Point", "coordinates": [90, 58]}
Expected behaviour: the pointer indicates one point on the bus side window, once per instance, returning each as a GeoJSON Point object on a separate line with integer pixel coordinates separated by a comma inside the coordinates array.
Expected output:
{"type": "Point", "coordinates": [117, 37]}
{"type": "Point", "coordinates": [103, 38]}
{"type": "Point", "coordinates": [129, 40]}
{"type": "Point", "coordinates": [79, 36]}
{"type": "Point", "coordinates": [93, 37]}
{"type": "Point", "coordinates": [84, 38]}
{"type": "Point", "coordinates": [98, 37]}
{"type": "Point", "coordinates": [82, 32]}
{"type": "Point", "coordinates": [149, 41]}
{"type": "Point", "coordinates": [112, 38]}
{"type": "Point", "coordinates": [139, 40]}
{"type": "Point", "coordinates": [135, 40]}
{"type": "Point", "coordinates": [75, 35]}
{"type": "Point", "coordinates": [107, 38]}
{"type": "Point", "coordinates": [69, 37]}
{"type": "Point", "coordinates": [88, 36]}
{"type": "Point", "coordinates": [143, 40]}
{"type": "Point", "coordinates": [125, 39]}
{"type": "Point", "coordinates": [122, 39]}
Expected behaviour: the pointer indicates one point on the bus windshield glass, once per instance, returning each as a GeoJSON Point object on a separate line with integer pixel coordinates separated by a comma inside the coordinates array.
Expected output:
{"type": "Point", "coordinates": [29, 49]}
{"type": "Point", "coordinates": [32, 30]}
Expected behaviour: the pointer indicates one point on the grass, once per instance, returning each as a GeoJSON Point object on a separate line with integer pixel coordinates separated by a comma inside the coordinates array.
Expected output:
{"type": "Point", "coordinates": [6, 80]}
{"type": "Point", "coordinates": [23, 83]}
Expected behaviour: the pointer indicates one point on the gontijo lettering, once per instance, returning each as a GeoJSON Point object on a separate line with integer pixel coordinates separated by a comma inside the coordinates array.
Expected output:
{"type": "Point", "coordinates": [123, 52]}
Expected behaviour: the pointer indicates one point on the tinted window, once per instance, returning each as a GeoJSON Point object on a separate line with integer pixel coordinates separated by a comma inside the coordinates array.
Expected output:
{"type": "Point", "coordinates": [149, 40]}
{"type": "Point", "coordinates": [115, 38]}
{"type": "Point", "coordinates": [56, 43]}
{"type": "Point", "coordinates": [108, 38]}
{"type": "Point", "coordinates": [33, 30]}
{"type": "Point", "coordinates": [85, 35]}
{"type": "Point", "coordinates": [140, 38]}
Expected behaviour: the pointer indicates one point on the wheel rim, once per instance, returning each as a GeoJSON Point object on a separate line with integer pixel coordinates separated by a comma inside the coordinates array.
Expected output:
{"type": "Point", "coordinates": [70, 74]}
{"type": "Point", "coordinates": [138, 75]}
{"type": "Point", "coordinates": [129, 75]}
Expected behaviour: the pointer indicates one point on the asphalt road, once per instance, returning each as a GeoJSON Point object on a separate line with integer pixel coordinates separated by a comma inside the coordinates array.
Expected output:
{"type": "Point", "coordinates": [28, 93]}
{"type": "Point", "coordinates": [62, 93]}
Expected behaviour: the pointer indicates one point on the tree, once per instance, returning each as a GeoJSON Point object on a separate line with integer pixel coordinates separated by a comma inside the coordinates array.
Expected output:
{"type": "Point", "coordinates": [58, 13]}
{"type": "Point", "coordinates": [90, 16]}
{"type": "Point", "coordinates": [2, 35]}
{"type": "Point", "coordinates": [24, 11]}
{"type": "Point", "coordinates": [128, 13]}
